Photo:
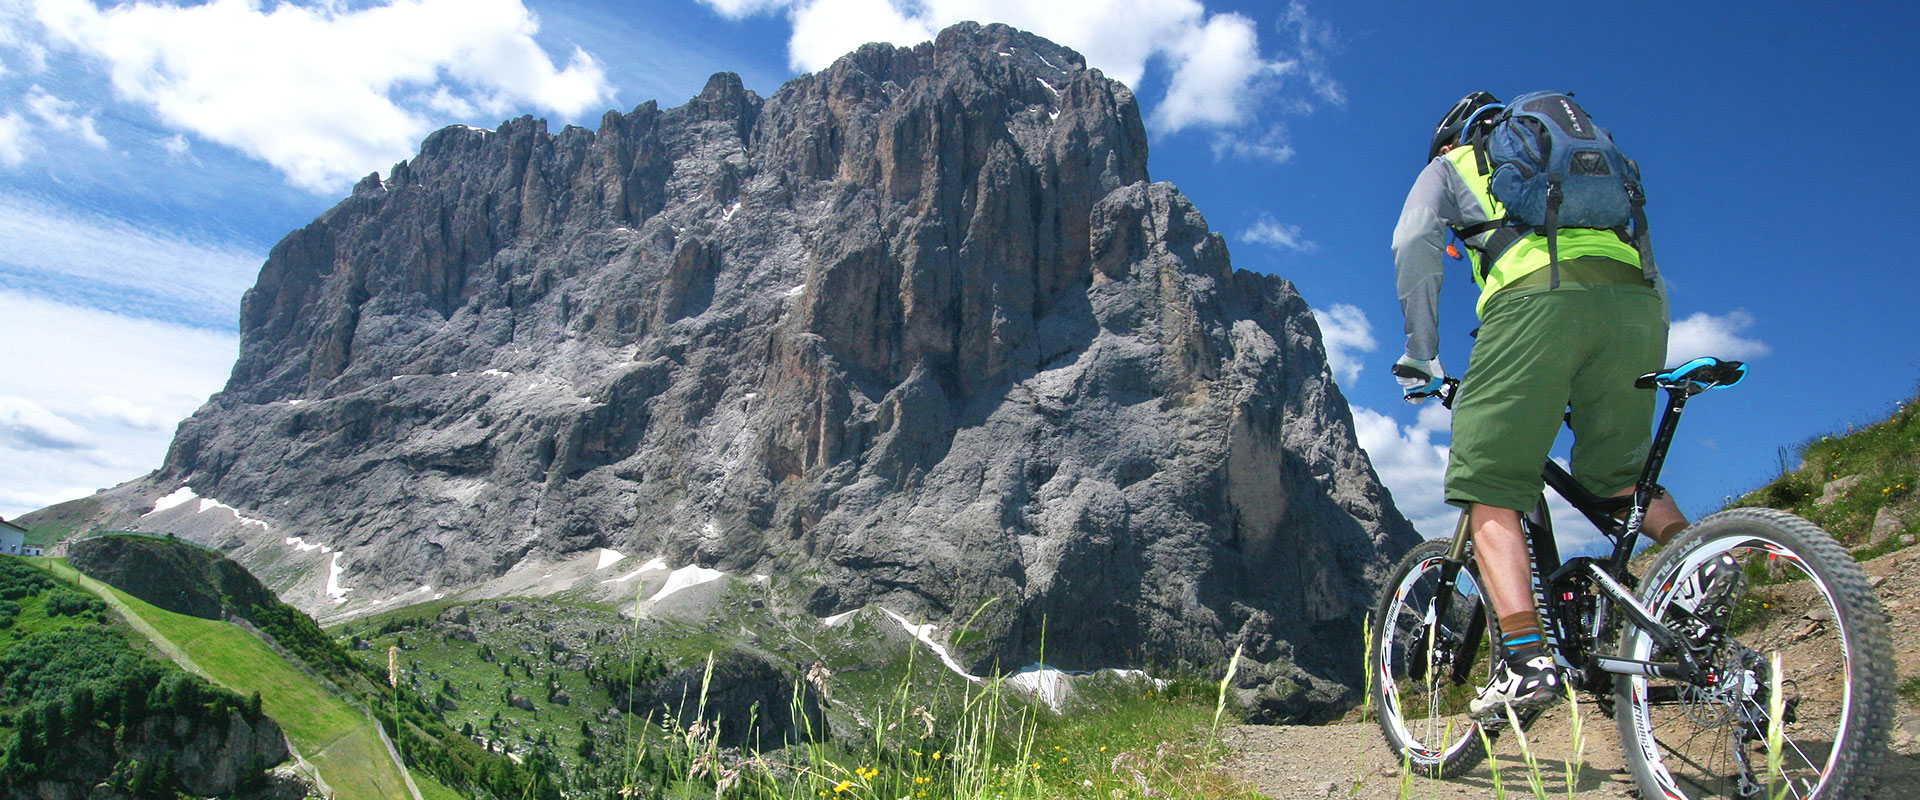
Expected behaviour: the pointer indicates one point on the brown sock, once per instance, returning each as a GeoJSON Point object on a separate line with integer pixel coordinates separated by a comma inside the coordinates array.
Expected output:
{"type": "Point", "coordinates": [1520, 631]}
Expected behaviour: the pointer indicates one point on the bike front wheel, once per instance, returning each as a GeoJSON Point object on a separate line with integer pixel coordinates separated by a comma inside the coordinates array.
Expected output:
{"type": "Point", "coordinates": [1429, 650]}
{"type": "Point", "coordinates": [1747, 589]}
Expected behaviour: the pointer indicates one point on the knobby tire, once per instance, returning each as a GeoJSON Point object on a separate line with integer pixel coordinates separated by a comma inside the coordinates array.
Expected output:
{"type": "Point", "coordinates": [1425, 722]}
{"type": "Point", "coordinates": [1804, 598]}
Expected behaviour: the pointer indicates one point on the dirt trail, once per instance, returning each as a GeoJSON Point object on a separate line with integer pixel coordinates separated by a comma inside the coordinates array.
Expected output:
{"type": "Point", "coordinates": [1350, 759]}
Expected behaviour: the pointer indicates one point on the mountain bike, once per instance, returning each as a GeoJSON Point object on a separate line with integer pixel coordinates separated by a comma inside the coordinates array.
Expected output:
{"type": "Point", "coordinates": [1752, 626]}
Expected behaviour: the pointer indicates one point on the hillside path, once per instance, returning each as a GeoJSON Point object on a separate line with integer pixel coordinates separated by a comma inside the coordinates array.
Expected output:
{"type": "Point", "coordinates": [1350, 759]}
{"type": "Point", "coordinates": [132, 618]}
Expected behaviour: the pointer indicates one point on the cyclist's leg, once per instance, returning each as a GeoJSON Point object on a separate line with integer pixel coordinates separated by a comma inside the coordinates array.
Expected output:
{"type": "Point", "coordinates": [1504, 423]}
{"type": "Point", "coordinates": [1611, 419]}
{"type": "Point", "coordinates": [1501, 550]}
{"type": "Point", "coordinates": [1510, 403]}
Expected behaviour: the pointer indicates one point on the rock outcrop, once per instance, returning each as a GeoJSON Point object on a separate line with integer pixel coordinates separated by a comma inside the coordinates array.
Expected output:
{"type": "Point", "coordinates": [180, 579]}
{"type": "Point", "coordinates": [208, 757]}
{"type": "Point", "coordinates": [916, 330]}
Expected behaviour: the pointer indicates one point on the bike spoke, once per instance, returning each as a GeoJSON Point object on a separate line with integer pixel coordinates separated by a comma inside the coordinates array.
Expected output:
{"type": "Point", "coordinates": [1419, 662]}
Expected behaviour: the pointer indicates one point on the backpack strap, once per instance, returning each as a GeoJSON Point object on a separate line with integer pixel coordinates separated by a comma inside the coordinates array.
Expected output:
{"type": "Point", "coordinates": [1478, 228]}
{"type": "Point", "coordinates": [1554, 196]}
{"type": "Point", "coordinates": [1505, 231]}
{"type": "Point", "coordinates": [1638, 199]}
{"type": "Point", "coordinates": [1475, 136]}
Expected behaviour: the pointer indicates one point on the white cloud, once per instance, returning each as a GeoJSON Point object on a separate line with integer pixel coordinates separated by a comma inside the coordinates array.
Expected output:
{"type": "Point", "coordinates": [27, 424]}
{"type": "Point", "coordinates": [65, 366]}
{"type": "Point", "coordinates": [176, 145]}
{"type": "Point", "coordinates": [740, 9]}
{"type": "Point", "coordinates": [1273, 233]}
{"type": "Point", "coordinates": [1313, 40]}
{"type": "Point", "coordinates": [1219, 77]}
{"type": "Point", "coordinates": [15, 18]}
{"type": "Point", "coordinates": [13, 139]}
{"type": "Point", "coordinates": [1218, 69]}
{"type": "Point", "coordinates": [126, 412]}
{"type": "Point", "coordinates": [1412, 466]}
{"type": "Point", "coordinates": [1704, 334]}
{"type": "Point", "coordinates": [317, 91]}
{"type": "Point", "coordinates": [1274, 145]}
{"type": "Point", "coordinates": [1347, 334]}
{"type": "Point", "coordinates": [182, 276]}
{"type": "Point", "coordinates": [824, 30]}
{"type": "Point", "coordinates": [59, 116]}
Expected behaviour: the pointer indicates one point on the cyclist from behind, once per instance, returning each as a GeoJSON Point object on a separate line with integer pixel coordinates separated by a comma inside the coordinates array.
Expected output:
{"type": "Point", "coordinates": [1541, 348]}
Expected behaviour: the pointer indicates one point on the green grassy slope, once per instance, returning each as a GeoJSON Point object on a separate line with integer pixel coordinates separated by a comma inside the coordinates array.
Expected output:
{"type": "Point", "coordinates": [322, 694]}
{"type": "Point", "coordinates": [902, 724]}
{"type": "Point", "coordinates": [1873, 471]}
{"type": "Point", "coordinates": [80, 693]}
{"type": "Point", "coordinates": [56, 522]}
{"type": "Point", "coordinates": [335, 737]}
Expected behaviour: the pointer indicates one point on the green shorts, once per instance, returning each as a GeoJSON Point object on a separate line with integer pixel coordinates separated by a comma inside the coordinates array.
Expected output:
{"type": "Point", "coordinates": [1539, 351]}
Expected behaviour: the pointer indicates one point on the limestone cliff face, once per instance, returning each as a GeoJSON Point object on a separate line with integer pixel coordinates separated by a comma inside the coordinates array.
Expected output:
{"type": "Point", "coordinates": [915, 330]}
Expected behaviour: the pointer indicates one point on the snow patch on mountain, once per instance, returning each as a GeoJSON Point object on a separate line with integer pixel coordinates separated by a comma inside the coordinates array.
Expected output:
{"type": "Point", "coordinates": [334, 589]}
{"type": "Point", "coordinates": [185, 495]}
{"type": "Point", "coordinates": [686, 577]}
{"type": "Point", "coordinates": [609, 558]}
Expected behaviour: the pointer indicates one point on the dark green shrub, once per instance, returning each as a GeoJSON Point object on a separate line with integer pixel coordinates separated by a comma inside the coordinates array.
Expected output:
{"type": "Point", "coordinates": [64, 603]}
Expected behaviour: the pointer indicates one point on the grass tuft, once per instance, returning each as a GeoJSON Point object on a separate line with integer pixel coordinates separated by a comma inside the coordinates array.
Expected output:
{"type": "Point", "coordinates": [1883, 462]}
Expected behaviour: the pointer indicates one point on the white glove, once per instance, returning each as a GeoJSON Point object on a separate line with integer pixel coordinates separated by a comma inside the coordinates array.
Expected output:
{"type": "Point", "coordinates": [1418, 377]}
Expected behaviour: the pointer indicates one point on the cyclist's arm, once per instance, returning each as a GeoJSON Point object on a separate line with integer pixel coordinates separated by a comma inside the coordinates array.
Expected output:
{"type": "Point", "coordinates": [1419, 252]}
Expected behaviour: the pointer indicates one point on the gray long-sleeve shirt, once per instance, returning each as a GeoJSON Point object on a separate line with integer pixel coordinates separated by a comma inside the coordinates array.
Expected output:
{"type": "Point", "coordinates": [1439, 199]}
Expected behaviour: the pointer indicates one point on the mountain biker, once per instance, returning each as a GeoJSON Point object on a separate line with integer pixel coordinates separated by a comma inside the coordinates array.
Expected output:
{"type": "Point", "coordinates": [1541, 348]}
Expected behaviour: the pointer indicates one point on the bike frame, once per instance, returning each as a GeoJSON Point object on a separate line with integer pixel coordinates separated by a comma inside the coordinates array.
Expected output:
{"type": "Point", "coordinates": [1609, 576]}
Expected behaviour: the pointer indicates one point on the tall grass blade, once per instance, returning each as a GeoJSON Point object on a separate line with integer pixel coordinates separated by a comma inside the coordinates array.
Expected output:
{"type": "Point", "coordinates": [1534, 780]}
{"type": "Point", "coordinates": [1220, 702]}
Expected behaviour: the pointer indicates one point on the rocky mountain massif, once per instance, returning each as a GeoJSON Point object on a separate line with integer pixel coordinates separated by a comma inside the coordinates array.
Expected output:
{"type": "Point", "coordinates": [916, 331]}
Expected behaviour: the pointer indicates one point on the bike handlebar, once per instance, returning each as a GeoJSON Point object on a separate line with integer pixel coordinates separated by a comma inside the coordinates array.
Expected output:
{"type": "Point", "coordinates": [1689, 379]}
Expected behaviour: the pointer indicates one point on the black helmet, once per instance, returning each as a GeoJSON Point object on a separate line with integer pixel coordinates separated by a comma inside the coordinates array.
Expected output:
{"type": "Point", "coordinates": [1456, 120]}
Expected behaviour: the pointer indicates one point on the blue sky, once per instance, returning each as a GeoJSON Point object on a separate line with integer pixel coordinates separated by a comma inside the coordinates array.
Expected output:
{"type": "Point", "coordinates": [151, 154]}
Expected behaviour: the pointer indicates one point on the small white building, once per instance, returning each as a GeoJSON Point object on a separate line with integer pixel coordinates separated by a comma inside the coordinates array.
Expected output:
{"type": "Point", "coordinates": [13, 540]}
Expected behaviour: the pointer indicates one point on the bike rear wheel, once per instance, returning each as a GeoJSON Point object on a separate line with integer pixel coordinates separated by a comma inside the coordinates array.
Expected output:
{"type": "Point", "coordinates": [1803, 598]}
{"type": "Point", "coordinates": [1425, 667]}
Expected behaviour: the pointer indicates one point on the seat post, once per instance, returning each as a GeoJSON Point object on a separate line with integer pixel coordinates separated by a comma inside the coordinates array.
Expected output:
{"type": "Point", "coordinates": [1656, 457]}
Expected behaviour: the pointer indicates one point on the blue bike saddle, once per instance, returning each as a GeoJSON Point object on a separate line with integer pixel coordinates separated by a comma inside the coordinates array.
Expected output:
{"type": "Point", "coordinates": [1695, 376]}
